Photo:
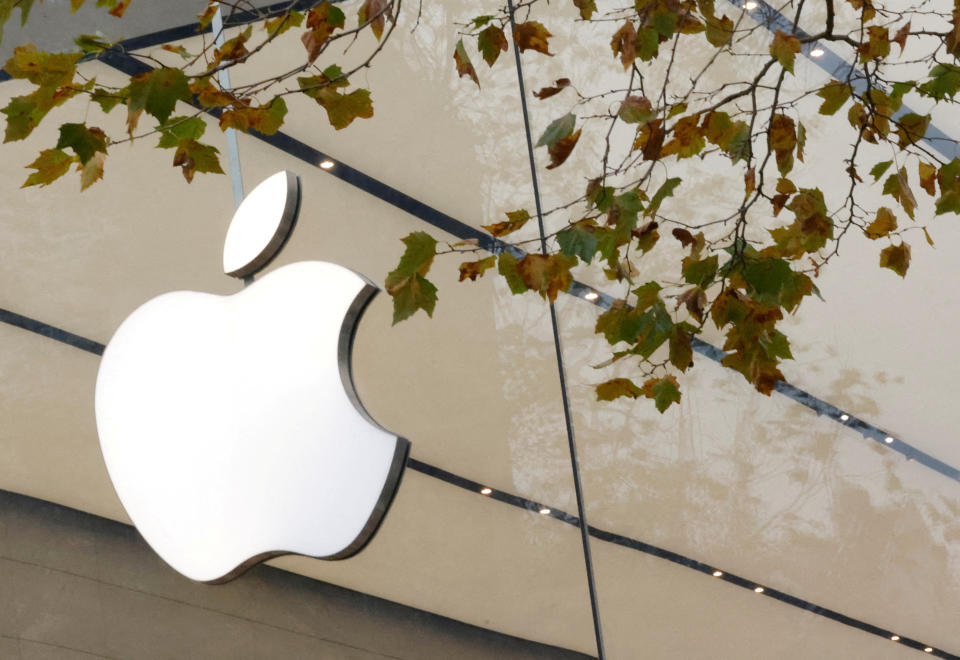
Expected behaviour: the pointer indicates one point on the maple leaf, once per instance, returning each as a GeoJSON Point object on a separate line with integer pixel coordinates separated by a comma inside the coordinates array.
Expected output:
{"type": "Point", "coordinates": [376, 12]}
{"type": "Point", "coordinates": [785, 48]}
{"type": "Point", "coordinates": [50, 165]}
{"type": "Point", "coordinates": [515, 220]}
{"type": "Point", "coordinates": [192, 156]}
{"type": "Point", "coordinates": [579, 239]}
{"type": "Point", "coordinates": [92, 170]}
{"type": "Point", "coordinates": [834, 95]}
{"type": "Point", "coordinates": [898, 187]}
{"type": "Point", "coordinates": [928, 176]}
{"type": "Point", "coordinates": [623, 44]}
{"type": "Point", "coordinates": [283, 22]}
{"type": "Point", "coordinates": [157, 92]}
{"type": "Point", "coordinates": [267, 119]}
{"type": "Point", "coordinates": [475, 269]}
{"type": "Point", "coordinates": [85, 141]}
{"type": "Point", "coordinates": [491, 42]}
{"type": "Point", "coordinates": [560, 150]}
{"type": "Point", "coordinates": [557, 87]}
{"type": "Point", "coordinates": [681, 351]}
{"type": "Point", "coordinates": [884, 223]}
{"type": "Point", "coordinates": [322, 21]}
{"type": "Point", "coordinates": [548, 275]}
{"type": "Point", "coordinates": [687, 139]}
{"type": "Point", "coordinates": [664, 391]}
{"type": "Point", "coordinates": [407, 283]}
{"type": "Point", "coordinates": [900, 38]}
{"type": "Point", "coordinates": [341, 108]}
{"type": "Point", "coordinates": [665, 190]}
{"type": "Point", "coordinates": [40, 68]}
{"type": "Point", "coordinates": [636, 110]}
{"type": "Point", "coordinates": [532, 36]}
{"type": "Point", "coordinates": [719, 31]}
{"type": "Point", "coordinates": [586, 7]}
{"type": "Point", "coordinates": [877, 45]}
{"type": "Point", "coordinates": [896, 258]}
{"type": "Point", "coordinates": [616, 388]}
{"type": "Point", "coordinates": [912, 127]}
{"type": "Point", "coordinates": [464, 65]}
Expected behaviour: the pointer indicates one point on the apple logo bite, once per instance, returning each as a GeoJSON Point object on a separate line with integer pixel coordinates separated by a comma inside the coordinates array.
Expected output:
{"type": "Point", "coordinates": [230, 425]}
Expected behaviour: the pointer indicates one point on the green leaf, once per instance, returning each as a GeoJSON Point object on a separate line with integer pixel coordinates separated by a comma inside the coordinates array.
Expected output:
{"type": "Point", "coordinates": [180, 128]}
{"type": "Point", "coordinates": [767, 278]}
{"type": "Point", "coordinates": [896, 258]}
{"type": "Point", "coordinates": [491, 42]}
{"type": "Point", "coordinates": [507, 267]}
{"type": "Point", "coordinates": [785, 48]}
{"type": "Point", "coordinates": [647, 295]}
{"type": "Point", "coordinates": [50, 165]}
{"type": "Point", "coordinates": [700, 273]}
{"type": "Point", "coordinates": [407, 283]}
{"type": "Point", "coordinates": [85, 141]}
{"type": "Point", "coordinates": [636, 110]}
{"type": "Point", "coordinates": [834, 95]}
{"type": "Point", "coordinates": [557, 130]}
{"type": "Point", "coordinates": [665, 190]}
{"type": "Point", "coordinates": [877, 170]}
{"type": "Point", "coordinates": [578, 240]}
{"type": "Point", "coordinates": [157, 92]}
{"type": "Point", "coordinates": [944, 82]}
{"type": "Point", "coordinates": [192, 156]}
{"type": "Point", "coordinates": [617, 387]}
{"type": "Point", "coordinates": [664, 391]}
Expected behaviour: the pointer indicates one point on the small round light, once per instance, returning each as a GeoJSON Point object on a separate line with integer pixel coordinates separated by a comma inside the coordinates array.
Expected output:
{"type": "Point", "coordinates": [750, 4]}
{"type": "Point", "coordinates": [928, 650]}
{"type": "Point", "coordinates": [817, 52]}
{"type": "Point", "coordinates": [326, 164]}
{"type": "Point", "coordinates": [759, 590]}
{"type": "Point", "coordinates": [486, 491]}
{"type": "Point", "coordinates": [718, 574]}
{"type": "Point", "coordinates": [544, 511]}
{"type": "Point", "coordinates": [895, 638]}
{"type": "Point", "coordinates": [593, 295]}
{"type": "Point", "coordinates": [844, 417]}
{"type": "Point", "coordinates": [888, 440]}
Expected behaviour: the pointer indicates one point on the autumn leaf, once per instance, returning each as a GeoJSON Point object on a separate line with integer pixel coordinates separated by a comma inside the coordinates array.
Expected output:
{"type": "Point", "coordinates": [665, 190]}
{"type": "Point", "coordinates": [532, 36]}
{"type": "Point", "coordinates": [911, 129]}
{"type": "Point", "coordinates": [664, 391]}
{"type": "Point", "coordinates": [515, 220]}
{"type": "Point", "coordinates": [785, 48]}
{"type": "Point", "coordinates": [375, 12]}
{"type": "Point", "coordinates": [407, 283]}
{"type": "Point", "coordinates": [50, 165]}
{"type": "Point", "coordinates": [877, 44]}
{"type": "Point", "coordinates": [896, 258]}
{"type": "Point", "coordinates": [623, 44]}
{"type": "Point", "coordinates": [192, 156]}
{"type": "Point", "coordinates": [616, 388]}
{"type": "Point", "coordinates": [783, 140]}
{"type": "Point", "coordinates": [636, 110]}
{"type": "Point", "coordinates": [719, 31]}
{"type": "Point", "coordinates": [687, 139]}
{"type": "Point", "coordinates": [548, 275]}
{"type": "Point", "coordinates": [232, 50]}
{"type": "Point", "coordinates": [834, 95]}
{"type": "Point", "coordinates": [586, 7]}
{"type": "Point", "coordinates": [491, 42]}
{"type": "Point", "coordinates": [266, 119]}
{"type": "Point", "coordinates": [283, 22]}
{"type": "Point", "coordinates": [928, 176]}
{"type": "Point", "coordinates": [341, 108]}
{"type": "Point", "coordinates": [556, 88]}
{"type": "Point", "coordinates": [560, 150]}
{"type": "Point", "coordinates": [464, 65]}
{"type": "Point", "coordinates": [884, 223]}
{"type": "Point", "coordinates": [900, 38]}
{"type": "Point", "coordinates": [322, 21]}
{"type": "Point", "coordinates": [475, 269]}
{"type": "Point", "coordinates": [92, 170]}
{"type": "Point", "coordinates": [681, 351]}
{"type": "Point", "coordinates": [40, 68]}
{"type": "Point", "coordinates": [898, 187]}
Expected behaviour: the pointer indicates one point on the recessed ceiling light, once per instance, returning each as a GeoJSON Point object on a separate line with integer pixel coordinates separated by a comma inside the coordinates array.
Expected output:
{"type": "Point", "coordinates": [593, 295]}
{"type": "Point", "coordinates": [888, 440]}
{"type": "Point", "coordinates": [544, 511]}
{"type": "Point", "coordinates": [486, 491]}
{"type": "Point", "coordinates": [817, 52]}
{"type": "Point", "coordinates": [759, 590]}
{"type": "Point", "coordinates": [844, 417]}
{"type": "Point", "coordinates": [326, 164]}
{"type": "Point", "coordinates": [928, 650]}
{"type": "Point", "coordinates": [895, 638]}
{"type": "Point", "coordinates": [717, 573]}
{"type": "Point", "coordinates": [750, 4]}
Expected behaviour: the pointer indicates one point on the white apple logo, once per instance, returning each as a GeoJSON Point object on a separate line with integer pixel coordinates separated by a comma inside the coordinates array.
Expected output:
{"type": "Point", "coordinates": [229, 424]}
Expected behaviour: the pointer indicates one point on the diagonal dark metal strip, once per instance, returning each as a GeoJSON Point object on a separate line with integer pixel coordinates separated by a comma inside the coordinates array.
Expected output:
{"type": "Point", "coordinates": [41, 328]}
{"type": "Point", "coordinates": [96, 348]}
